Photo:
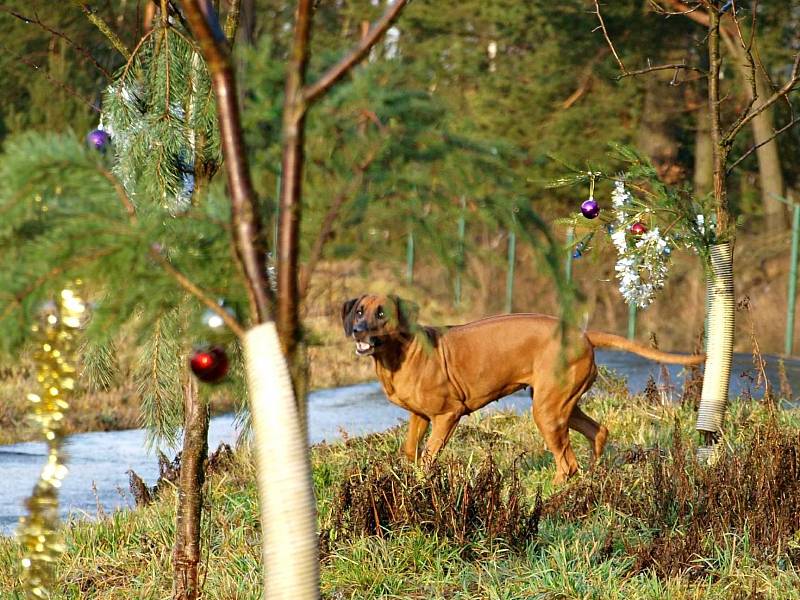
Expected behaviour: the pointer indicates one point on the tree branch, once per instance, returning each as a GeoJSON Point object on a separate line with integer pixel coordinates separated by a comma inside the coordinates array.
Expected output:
{"type": "Point", "coordinates": [355, 56]}
{"type": "Point", "coordinates": [667, 67]}
{"type": "Point", "coordinates": [755, 147]}
{"type": "Point", "coordinates": [197, 292]}
{"type": "Point", "coordinates": [104, 29]}
{"type": "Point", "coordinates": [55, 33]}
{"type": "Point", "coordinates": [65, 86]}
{"type": "Point", "coordinates": [608, 39]}
{"type": "Point", "coordinates": [329, 220]}
{"type": "Point", "coordinates": [246, 225]}
{"type": "Point", "coordinates": [783, 91]}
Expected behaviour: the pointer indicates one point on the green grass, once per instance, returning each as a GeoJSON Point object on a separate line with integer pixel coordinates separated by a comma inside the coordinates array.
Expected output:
{"type": "Point", "coordinates": [593, 555]}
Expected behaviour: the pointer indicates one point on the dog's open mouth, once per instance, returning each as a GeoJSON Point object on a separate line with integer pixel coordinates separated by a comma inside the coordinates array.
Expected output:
{"type": "Point", "coordinates": [366, 347]}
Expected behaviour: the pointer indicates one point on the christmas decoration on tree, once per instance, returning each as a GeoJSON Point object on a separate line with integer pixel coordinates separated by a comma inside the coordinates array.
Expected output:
{"type": "Point", "coordinates": [638, 228]}
{"type": "Point", "coordinates": [209, 364]}
{"type": "Point", "coordinates": [99, 139]}
{"type": "Point", "coordinates": [590, 208]}
{"type": "Point", "coordinates": [643, 229]}
{"type": "Point", "coordinates": [56, 357]}
{"type": "Point", "coordinates": [213, 321]}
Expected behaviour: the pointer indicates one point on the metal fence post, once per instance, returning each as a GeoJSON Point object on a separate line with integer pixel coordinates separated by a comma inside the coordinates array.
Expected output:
{"type": "Point", "coordinates": [512, 258]}
{"type": "Point", "coordinates": [792, 299]}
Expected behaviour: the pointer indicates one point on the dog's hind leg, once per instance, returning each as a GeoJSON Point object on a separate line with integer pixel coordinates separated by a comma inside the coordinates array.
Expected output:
{"type": "Point", "coordinates": [591, 429]}
{"type": "Point", "coordinates": [417, 426]}
{"type": "Point", "coordinates": [549, 418]}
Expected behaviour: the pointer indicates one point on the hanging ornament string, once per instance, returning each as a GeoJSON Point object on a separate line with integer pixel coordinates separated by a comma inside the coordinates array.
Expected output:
{"type": "Point", "coordinates": [55, 356]}
{"type": "Point", "coordinates": [590, 208]}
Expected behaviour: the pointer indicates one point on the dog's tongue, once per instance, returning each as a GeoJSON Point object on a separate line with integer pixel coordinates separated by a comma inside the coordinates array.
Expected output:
{"type": "Point", "coordinates": [362, 346]}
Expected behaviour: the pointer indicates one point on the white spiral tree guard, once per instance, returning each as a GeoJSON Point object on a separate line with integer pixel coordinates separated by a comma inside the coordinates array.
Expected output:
{"type": "Point", "coordinates": [719, 343]}
{"type": "Point", "coordinates": [288, 508]}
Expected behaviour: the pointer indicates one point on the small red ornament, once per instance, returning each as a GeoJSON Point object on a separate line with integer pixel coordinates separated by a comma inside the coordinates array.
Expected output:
{"type": "Point", "coordinates": [209, 364]}
{"type": "Point", "coordinates": [638, 228]}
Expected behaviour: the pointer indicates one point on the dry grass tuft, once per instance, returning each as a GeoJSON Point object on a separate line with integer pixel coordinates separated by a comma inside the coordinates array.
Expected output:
{"type": "Point", "coordinates": [750, 492]}
{"type": "Point", "coordinates": [452, 500]}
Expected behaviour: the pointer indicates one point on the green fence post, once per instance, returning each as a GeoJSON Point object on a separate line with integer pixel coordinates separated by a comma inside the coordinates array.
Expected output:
{"type": "Point", "coordinates": [788, 347]}
{"type": "Point", "coordinates": [512, 259]}
{"type": "Point", "coordinates": [631, 321]}
{"type": "Point", "coordinates": [277, 215]}
{"type": "Point", "coordinates": [410, 258]}
{"type": "Point", "coordinates": [570, 240]}
{"type": "Point", "coordinates": [462, 226]}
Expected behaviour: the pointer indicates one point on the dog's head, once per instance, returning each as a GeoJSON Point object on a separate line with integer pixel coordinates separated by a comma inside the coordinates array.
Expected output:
{"type": "Point", "coordinates": [372, 320]}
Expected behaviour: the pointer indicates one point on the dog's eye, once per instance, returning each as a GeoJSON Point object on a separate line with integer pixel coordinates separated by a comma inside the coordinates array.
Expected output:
{"type": "Point", "coordinates": [360, 312]}
{"type": "Point", "coordinates": [380, 312]}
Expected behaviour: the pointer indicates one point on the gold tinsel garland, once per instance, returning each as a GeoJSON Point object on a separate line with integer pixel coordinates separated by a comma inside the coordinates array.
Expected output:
{"type": "Point", "coordinates": [55, 356]}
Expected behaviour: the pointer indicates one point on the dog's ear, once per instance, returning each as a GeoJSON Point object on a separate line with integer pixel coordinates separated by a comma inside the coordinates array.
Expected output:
{"type": "Point", "coordinates": [347, 315]}
{"type": "Point", "coordinates": [407, 313]}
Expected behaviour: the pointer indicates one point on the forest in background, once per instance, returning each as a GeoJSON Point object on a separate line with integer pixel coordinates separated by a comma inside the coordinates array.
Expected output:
{"type": "Point", "coordinates": [472, 110]}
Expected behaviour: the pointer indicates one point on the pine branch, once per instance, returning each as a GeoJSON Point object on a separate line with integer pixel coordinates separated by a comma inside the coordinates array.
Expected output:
{"type": "Point", "coordinates": [157, 374]}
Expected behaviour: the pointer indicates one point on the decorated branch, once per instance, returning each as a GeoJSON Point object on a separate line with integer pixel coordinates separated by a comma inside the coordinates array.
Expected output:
{"type": "Point", "coordinates": [644, 219]}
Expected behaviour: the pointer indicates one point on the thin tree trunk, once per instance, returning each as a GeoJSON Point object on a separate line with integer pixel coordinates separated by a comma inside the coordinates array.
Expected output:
{"type": "Point", "coordinates": [721, 314]}
{"type": "Point", "coordinates": [656, 135]}
{"type": "Point", "coordinates": [703, 153]}
{"type": "Point", "coordinates": [186, 553]}
{"type": "Point", "coordinates": [769, 163]}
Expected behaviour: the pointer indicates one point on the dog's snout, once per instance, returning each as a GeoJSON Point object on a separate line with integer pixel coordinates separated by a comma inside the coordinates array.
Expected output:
{"type": "Point", "coordinates": [360, 326]}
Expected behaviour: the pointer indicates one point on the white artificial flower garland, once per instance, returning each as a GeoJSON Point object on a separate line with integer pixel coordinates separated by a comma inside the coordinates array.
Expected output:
{"type": "Point", "coordinates": [642, 266]}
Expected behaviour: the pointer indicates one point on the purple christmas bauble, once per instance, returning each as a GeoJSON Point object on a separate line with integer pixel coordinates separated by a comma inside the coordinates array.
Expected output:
{"type": "Point", "coordinates": [590, 208]}
{"type": "Point", "coordinates": [98, 139]}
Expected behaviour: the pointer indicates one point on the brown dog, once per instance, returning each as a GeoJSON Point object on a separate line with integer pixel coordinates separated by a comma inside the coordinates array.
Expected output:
{"type": "Point", "coordinates": [441, 374]}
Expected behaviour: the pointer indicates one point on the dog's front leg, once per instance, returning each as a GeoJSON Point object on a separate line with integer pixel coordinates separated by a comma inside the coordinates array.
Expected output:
{"type": "Point", "coordinates": [442, 428]}
{"type": "Point", "coordinates": [417, 426]}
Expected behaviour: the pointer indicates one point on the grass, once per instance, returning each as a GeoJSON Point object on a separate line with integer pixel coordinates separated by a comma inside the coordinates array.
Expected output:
{"type": "Point", "coordinates": [645, 523]}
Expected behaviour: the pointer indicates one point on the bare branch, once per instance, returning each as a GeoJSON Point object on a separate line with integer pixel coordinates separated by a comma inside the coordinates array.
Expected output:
{"type": "Point", "coordinates": [355, 56]}
{"type": "Point", "coordinates": [246, 225]}
{"type": "Point", "coordinates": [755, 147]}
{"type": "Point", "coordinates": [65, 86]}
{"type": "Point", "coordinates": [783, 91]}
{"type": "Point", "coordinates": [197, 292]}
{"type": "Point", "coordinates": [585, 82]}
{"type": "Point", "coordinates": [329, 220]}
{"type": "Point", "coordinates": [683, 11]}
{"type": "Point", "coordinates": [608, 39]}
{"type": "Point", "coordinates": [676, 66]}
{"type": "Point", "coordinates": [121, 193]}
{"type": "Point", "coordinates": [55, 33]}
{"type": "Point", "coordinates": [104, 29]}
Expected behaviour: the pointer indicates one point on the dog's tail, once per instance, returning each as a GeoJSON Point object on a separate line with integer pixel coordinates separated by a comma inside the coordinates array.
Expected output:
{"type": "Point", "coordinates": [601, 339]}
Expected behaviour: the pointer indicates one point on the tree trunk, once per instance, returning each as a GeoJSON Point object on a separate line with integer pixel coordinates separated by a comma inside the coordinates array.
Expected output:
{"type": "Point", "coordinates": [703, 153]}
{"type": "Point", "coordinates": [769, 163]}
{"type": "Point", "coordinates": [186, 553]}
{"type": "Point", "coordinates": [720, 316]}
{"type": "Point", "coordinates": [656, 136]}
{"type": "Point", "coordinates": [287, 316]}
{"type": "Point", "coordinates": [288, 508]}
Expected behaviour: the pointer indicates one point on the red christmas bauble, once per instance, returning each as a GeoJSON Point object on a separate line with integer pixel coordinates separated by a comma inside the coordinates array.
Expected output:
{"type": "Point", "coordinates": [638, 228]}
{"type": "Point", "coordinates": [209, 364]}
